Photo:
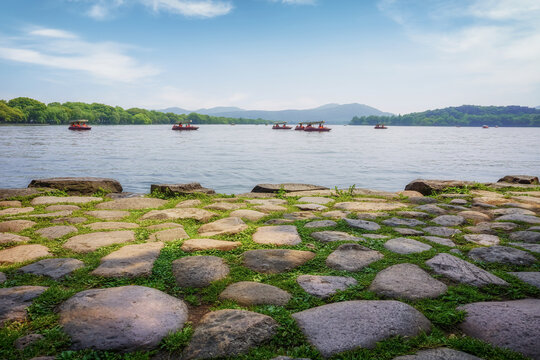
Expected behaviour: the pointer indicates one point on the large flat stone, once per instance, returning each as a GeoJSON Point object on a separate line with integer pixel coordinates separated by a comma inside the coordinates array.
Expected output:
{"type": "Point", "coordinates": [402, 222]}
{"type": "Point", "coordinates": [112, 225]}
{"type": "Point", "coordinates": [86, 243]}
{"type": "Point", "coordinates": [530, 247]}
{"type": "Point", "coordinates": [432, 209]}
{"type": "Point", "coordinates": [129, 261]}
{"type": "Point", "coordinates": [474, 216]}
{"type": "Point", "coordinates": [224, 206]}
{"type": "Point", "coordinates": [56, 232]}
{"type": "Point", "coordinates": [48, 200]}
{"type": "Point", "coordinates": [491, 228]}
{"type": "Point", "coordinates": [131, 204]}
{"type": "Point", "coordinates": [287, 187]}
{"type": "Point", "coordinates": [324, 286]}
{"type": "Point", "coordinates": [526, 236]}
{"type": "Point", "coordinates": [230, 225]}
{"type": "Point", "coordinates": [530, 277]}
{"type": "Point", "coordinates": [250, 215]}
{"type": "Point", "coordinates": [16, 211]}
{"type": "Point", "coordinates": [167, 225]}
{"type": "Point", "coordinates": [449, 220]}
{"type": "Point", "coordinates": [249, 293]}
{"type": "Point", "coordinates": [519, 179]}
{"type": "Point", "coordinates": [462, 271]}
{"type": "Point", "coordinates": [9, 193]}
{"type": "Point", "coordinates": [330, 236]}
{"type": "Point", "coordinates": [226, 333]}
{"type": "Point", "coordinates": [181, 189]}
{"type": "Point", "coordinates": [15, 225]}
{"type": "Point", "coordinates": [167, 235]}
{"type": "Point", "coordinates": [483, 239]}
{"type": "Point", "coordinates": [62, 208]}
{"type": "Point", "coordinates": [348, 325]}
{"type": "Point", "coordinates": [440, 240]}
{"type": "Point", "coordinates": [10, 203]}
{"type": "Point", "coordinates": [273, 261]}
{"type": "Point", "coordinates": [54, 268]}
{"type": "Point", "coordinates": [363, 224]}
{"type": "Point", "coordinates": [199, 271]}
{"type": "Point", "coordinates": [125, 319]}
{"type": "Point", "coordinates": [513, 324]}
{"type": "Point", "coordinates": [529, 219]}
{"type": "Point", "coordinates": [189, 203]}
{"type": "Point", "coordinates": [209, 244]}
{"type": "Point", "coordinates": [277, 235]}
{"type": "Point", "coordinates": [406, 246]}
{"type": "Point", "coordinates": [179, 213]}
{"type": "Point", "coordinates": [369, 206]}
{"type": "Point", "coordinates": [269, 208]}
{"type": "Point", "coordinates": [6, 238]}
{"type": "Point", "coordinates": [315, 200]}
{"type": "Point", "coordinates": [320, 223]}
{"type": "Point", "coordinates": [15, 300]}
{"type": "Point", "coordinates": [300, 215]}
{"type": "Point", "coordinates": [428, 187]}
{"type": "Point", "coordinates": [438, 354]}
{"type": "Point", "coordinates": [108, 214]}
{"type": "Point", "coordinates": [78, 185]}
{"type": "Point", "coordinates": [502, 255]}
{"type": "Point", "coordinates": [441, 231]}
{"type": "Point", "coordinates": [311, 207]}
{"type": "Point", "coordinates": [352, 257]}
{"type": "Point", "coordinates": [23, 253]}
{"type": "Point", "coordinates": [406, 281]}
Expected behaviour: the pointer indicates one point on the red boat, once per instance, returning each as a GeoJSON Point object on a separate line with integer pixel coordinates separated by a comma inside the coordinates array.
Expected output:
{"type": "Point", "coordinates": [184, 126]}
{"type": "Point", "coordinates": [485, 127]}
{"type": "Point", "coordinates": [300, 126]}
{"type": "Point", "coordinates": [319, 128]}
{"type": "Point", "coordinates": [282, 127]}
{"type": "Point", "coordinates": [380, 126]}
{"type": "Point", "coordinates": [79, 125]}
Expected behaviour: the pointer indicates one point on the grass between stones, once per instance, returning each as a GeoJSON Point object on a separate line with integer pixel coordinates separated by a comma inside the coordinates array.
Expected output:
{"type": "Point", "coordinates": [289, 340]}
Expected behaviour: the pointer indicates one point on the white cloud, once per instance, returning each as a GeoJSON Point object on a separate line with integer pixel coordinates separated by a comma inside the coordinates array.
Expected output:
{"type": "Point", "coordinates": [298, 2]}
{"type": "Point", "coordinates": [63, 50]}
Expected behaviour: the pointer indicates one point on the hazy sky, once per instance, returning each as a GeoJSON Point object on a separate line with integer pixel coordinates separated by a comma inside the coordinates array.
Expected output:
{"type": "Point", "coordinates": [396, 55]}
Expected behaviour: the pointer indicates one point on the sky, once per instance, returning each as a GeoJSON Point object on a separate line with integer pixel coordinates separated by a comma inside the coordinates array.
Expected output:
{"type": "Point", "coordinates": [399, 56]}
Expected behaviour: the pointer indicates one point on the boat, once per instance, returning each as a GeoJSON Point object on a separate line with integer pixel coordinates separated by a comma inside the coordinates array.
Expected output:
{"type": "Point", "coordinates": [184, 126]}
{"type": "Point", "coordinates": [320, 128]}
{"type": "Point", "coordinates": [281, 126]}
{"type": "Point", "coordinates": [485, 127]}
{"type": "Point", "coordinates": [79, 125]}
{"type": "Point", "coordinates": [300, 126]}
{"type": "Point", "coordinates": [380, 126]}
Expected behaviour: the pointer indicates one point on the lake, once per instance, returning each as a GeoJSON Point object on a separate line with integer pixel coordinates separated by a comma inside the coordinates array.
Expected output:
{"type": "Point", "coordinates": [232, 159]}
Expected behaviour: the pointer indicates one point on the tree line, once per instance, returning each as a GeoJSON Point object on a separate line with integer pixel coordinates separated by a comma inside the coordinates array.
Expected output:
{"type": "Point", "coordinates": [466, 115]}
{"type": "Point", "coordinates": [24, 110]}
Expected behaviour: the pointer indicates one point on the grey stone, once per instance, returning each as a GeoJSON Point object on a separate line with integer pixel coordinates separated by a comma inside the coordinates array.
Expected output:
{"type": "Point", "coordinates": [62, 208]}
{"type": "Point", "coordinates": [287, 187]}
{"type": "Point", "coordinates": [369, 206]}
{"type": "Point", "coordinates": [78, 185]}
{"type": "Point", "coordinates": [177, 233]}
{"type": "Point", "coordinates": [529, 219]}
{"type": "Point", "coordinates": [274, 261]}
{"type": "Point", "coordinates": [449, 220]}
{"type": "Point", "coordinates": [311, 207]}
{"type": "Point", "coordinates": [514, 325]}
{"type": "Point", "coordinates": [440, 240]}
{"type": "Point", "coordinates": [49, 200]}
{"type": "Point", "coordinates": [23, 253]}
{"type": "Point", "coordinates": [108, 214]}
{"type": "Point", "coordinates": [321, 223]}
{"type": "Point", "coordinates": [370, 215]}
{"type": "Point", "coordinates": [441, 231]}
{"type": "Point", "coordinates": [15, 225]}
{"type": "Point", "coordinates": [526, 236]}
{"type": "Point", "coordinates": [179, 213]}
{"type": "Point", "coordinates": [432, 209]}
{"type": "Point", "coordinates": [199, 271]}
{"type": "Point", "coordinates": [491, 227]}
{"type": "Point", "coordinates": [230, 225]}
{"type": "Point", "coordinates": [288, 358]}
{"type": "Point", "coordinates": [125, 319]}
{"type": "Point", "coordinates": [375, 236]}
{"type": "Point", "coordinates": [267, 201]}
{"type": "Point", "coordinates": [531, 278]}
{"type": "Point", "coordinates": [475, 216]}
{"type": "Point", "coordinates": [413, 214]}
{"type": "Point", "coordinates": [15, 300]}
{"type": "Point", "coordinates": [438, 354]}
{"type": "Point", "coordinates": [300, 215]}
{"type": "Point", "coordinates": [324, 286]}
{"type": "Point", "coordinates": [55, 232]}
{"type": "Point", "coordinates": [352, 257]}
{"type": "Point", "coordinates": [335, 214]}
{"type": "Point", "coordinates": [519, 179]}
{"type": "Point", "coordinates": [248, 293]}
{"type": "Point", "coordinates": [453, 207]}
{"type": "Point", "coordinates": [112, 225]}
{"type": "Point", "coordinates": [330, 236]}
{"type": "Point", "coordinates": [250, 215]}
{"type": "Point", "coordinates": [511, 210]}
{"type": "Point", "coordinates": [406, 246]}
{"type": "Point", "coordinates": [54, 268]}
{"type": "Point", "coordinates": [530, 247]}
{"type": "Point", "coordinates": [406, 281]}
{"type": "Point", "coordinates": [69, 220]}
{"type": "Point", "coordinates": [459, 202]}
{"type": "Point", "coordinates": [26, 341]}
{"type": "Point", "coordinates": [268, 208]}
{"type": "Point", "coordinates": [6, 238]}
{"type": "Point", "coordinates": [421, 200]}
{"type": "Point", "coordinates": [483, 239]}
{"type": "Point", "coordinates": [534, 228]}
{"type": "Point", "coordinates": [181, 189]}
{"type": "Point", "coordinates": [462, 271]}
{"type": "Point", "coordinates": [9, 193]}
{"type": "Point", "coordinates": [129, 261]}
{"type": "Point", "coordinates": [278, 222]}
{"type": "Point", "coordinates": [348, 325]}
{"type": "Point", "coordinates": [408, 232]}
{"type": "Point", "coordinates": [86, 243]}
{"type": "Point", "coordinates": [315, 200]}
{"type": "Point", "coordinates": [131, 204]}
{"type": "Point", "coordinates": [362, 224]}
{"type": "Point", "coordinates": [402, 222]}
{"type": "Point", "coordinates": [228, 333]}
{"type": "Point", "coordinates": [502, 255]}
{"type": "Point", "coordinates": [277, 235]}
{"type": "Point", "coordinates": [52, 214]}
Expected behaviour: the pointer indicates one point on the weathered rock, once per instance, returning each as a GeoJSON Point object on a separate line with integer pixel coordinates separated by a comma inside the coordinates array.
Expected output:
{"type": "Point", "coordinates": [167, 225]}
{"type": "Point", "coordinates": [531, 278]}
{"type": "Point", "coordinates": [454, 207]}
{"type": "Point", "coordinates": [449, 220]}
{"type": "Point", "coordinates": [311, 207]}
{"type": "Point", "coordinates": [11, 204]}
{"type": "Point", "coordinates": [369, 206]}
{"type": "Point", "coordinates": [530, 247]}
{"type": "Point", "coordinates": [324, 286]}
{"type": "Point", "coordinates": [15, 300]}
{"type": "Point", "coordinates": [503, 255]}
{"type": "Point", "coordinates": [6, 238]}
{"type": "Point", "coordinates": [131, 204]}
{"type": "Point", "coordinates": [62, 208]}
{"type": "Point", "coordinates": [188, 203]}
{"type": "Point", "coordinates": [406, 281]}
{"type": "Point", "coordinates": [26, 341]}
{"type": "Point", "coordinates": [16, 211]}
{"type": "Point", "coordinates": [112, 225]}
{"type": "Point", "coordinates": [125, 319]}
{"type": "Point", "coordinates": [408, 231]}
{"type": "Point", "coordinates": [9, 193]}
{"type": "Point", "coordinates": [267, 201]}
{"type": "Point", "coordinates": [459, 202]}
{"type": "Point", "coordinates": [74, 220]}
{"type": "Point", "coordinates": [199, 271]}
{"type": "Point", "coordinates": [519, 179]}
{"type": "Point", "coordinates": [209, 244]}
{"type": "Point", "coordinates": [78, 185]}
{"type": "Point", "coordinates": [268, 208]}
{"type": "Point", "coordinates": [52, 214]}
{"type": "Point", "coordinates": [224, 206]}
{"type": "Point", "coordinates": [55, 232]}
{"type": "Point", "coordinates": [432, 209]}
{"type": "Point", "coordinates": [287, 187]}
{"type": "Point", "coordinates": [483, 239]}
{"type": "Point", "coordinates": [86, 243]}
{"type": "Point", "coordinates": [320, 223]}
{"type": "Point", "coordinates": [438, 354]}
{"type": "Point", "coordinates": [167, 235]}
{"type": "Point", "coordinates": [230, 225]}
{"type": "Point", "coordinates": [129, 261]}
{"type": "Point", "coordinates": [491, 227]}
{"type": "Point", "coordinates": [47, 200]}
{"type": "Point", "coordinates": [526, 236]}
{"type": "Point", "coordinates": [402, 222]}
{"type": "Point", "coordinates": [15, 225]}
{"type": "Point", "coordinates": [278, 222]}
{"type": "Point", "coordinates": [181, 189]}
{"type": "Point", "coordinates": [228, 333]}
{"type": "Point", "coordinates": [330, 236]}
{"type": "Point", "coordinates": [250, 215]}
{"type": "Point", "coordinates": [529, 219]}
{"type": "Point", "coordinates": [475, 216]}
{"type": "Point", "coordinates": [23, 253]}
{"type": "Point", "coordinates": [248, 293]}
{"type": "Point", "coordinates": [53, 268]}
{"type": "Point", "coordinates": [348, 325]}
{"type": "Point", "coordinates": [511, 210]}
{"type": "Point", "coordinates": [513, 324]}
{"type": "Point", "coordinates": [300, 215]}
{"type": "Point", "coordinates": [440, 240]}
{"type": "Point", "coordinates": [421, 200]}
{"type": "Point", "coordinates": [375, 236]}
{"type": "Point", "coordinates": [315, 200]}
{"type": "Point", "coordinates": [277, 235]}
{"type": "Point", "coordinates": [406, 246]}
{"type": "Point", "coordinates": [336, 214]}
{"type": "Point", "coordinates": [124, 195]}
{"type": "Point", "coordinates": [428, 187]}
{"type": "Point", "coordinates": [274, 261]}
{"type": "Point", "coordinates": [363, 224]}
{"type": "Point", "coordinates": [413, 214]}
{"type": "Point", "coordinates": [179, 213]}
{"type": "Point", "coordinates": [108, 214]}
{"type": "Point", "coordinates": [441, 231]}
{"type": "Point", "coordinates": [352, 257]}
{"type": "Point", "coordinates": [462, 271]}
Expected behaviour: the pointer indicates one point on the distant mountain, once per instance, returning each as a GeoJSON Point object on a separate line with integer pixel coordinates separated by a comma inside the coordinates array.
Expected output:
{"type": "Point", "coordinates": [331, 113]}
{"type": "Point", "coordinates": [175, 110]}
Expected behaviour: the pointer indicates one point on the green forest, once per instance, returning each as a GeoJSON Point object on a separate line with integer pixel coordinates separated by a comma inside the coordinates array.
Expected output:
{"type": "Point", "coordinates": [466, 115]}
{"type": "Point", "coordinates": [23, 110]}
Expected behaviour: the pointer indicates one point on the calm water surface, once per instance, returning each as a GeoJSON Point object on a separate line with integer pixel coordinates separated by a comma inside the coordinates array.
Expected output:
{"type": "Point", "coordinates": [233, 159]}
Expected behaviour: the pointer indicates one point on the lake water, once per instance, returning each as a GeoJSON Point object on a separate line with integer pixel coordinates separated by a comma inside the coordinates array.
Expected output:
{"type": "Point", "coordinates": [232, 159]}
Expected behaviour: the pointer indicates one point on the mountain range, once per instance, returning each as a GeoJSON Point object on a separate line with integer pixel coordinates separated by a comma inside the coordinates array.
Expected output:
{"type": "Point", "coordinates": [330, 113]}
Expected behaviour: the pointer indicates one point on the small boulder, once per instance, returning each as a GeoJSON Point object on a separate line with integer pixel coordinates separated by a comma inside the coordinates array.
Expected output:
{"type": "Point", "coordinates": [56, 232]}
{"type": "Point", "coordinates": [209, 244]}
{"type": "Point", "coordinates": [179, 213]}
{"type": "Point", "coordinates": [274, 261]}
{"type": "Point", "coordinates": [249, 293]}
{"type": "Point", "coordinates": [519, 179]}
{"type": "Point", "coordinates": [129, 261]}
{"type": "Point", "coordinates": [277, 235]}
{"type": "Point", "coordinates": [199, 271]}
{"type": "Point", "coordinates": [363, 224]}
{"type": "Point", "coordinates": [23, 253]}
{"type": "Point", "coordinates": [287, 187]}
{"type": "Point", "coordinates": [15, 300]}
{"type": "Point", "coordinates": [526, 236]}
{"type": "Point", "coordinates": [230, 225]}
{"type": "Point", "coordinates": [54, 268]}
{"type": "Point", "coordinates": [181, 189]}
{"type": "Point", "coordinates": [250, 215]}
{"type": "Point", "coordinates": [331, 236]}
{"type": "Point", "coordinates": [15, 225]}
{"type": "Point", "coordinates": [48, 200]}
{"type": "Point", "coordinates": [402, 222]}
{"type": "Point", "coordinates": [440, 240]}
{"type": "Point", "coordinates": [449, 220]}
{"type": "Point", "coordinates": [441, 231]}
{"type": "Point", "coordinates": [320, 223]}
{"type": "Point", "coordinates": [502, 255]}
{"type": "Point", "coordinates": [177, 233]}
{"type": "Point", "coordinates": [352, 257]}
{"type": "Point", "coordinates": [78, 185]}
{"type": "Point", "coordinates": [86, 243]}
{"type": "Point", "coordinates": [324, 286]}
{"type": "Point", "coordinates": [483, 239]}
{"type": "Point", "coordinates": [406, 246]}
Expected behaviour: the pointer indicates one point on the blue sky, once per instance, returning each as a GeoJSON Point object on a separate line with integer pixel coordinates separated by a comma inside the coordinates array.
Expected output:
{"type": "Point", "coordinates": [396, 55]}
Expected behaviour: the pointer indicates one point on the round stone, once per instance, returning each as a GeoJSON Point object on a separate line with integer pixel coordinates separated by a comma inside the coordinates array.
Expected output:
{"type": "Point", "coordinates": [199, 271]}
{"type": "Point", "coordinates": [324, 286]}
{"type": "Point", "coordinates": [15, 225]}
{"type": "Point", "coordinates": [23, 253]}
{"type": "Point", "coordinates": [449, 220]}
{"type": "Point", "coordinates": [273, 261]}
{"type": "Point", "coordinates": [406, 246]}
{"type": "Point", "coordinates": [230, 225]}
{"type": "Point", "coordinates": [277, 235]}
{"type": "Point", "coordinates": [54, 268]}
{"type": "Point", "coordinates": [86, 243]}
{"type": "Point", "coordinates": [55, 232]}
{"type": "Point", "coordinates": [248, 293]}
{"type": "Point", "coordinates": [352, 257]}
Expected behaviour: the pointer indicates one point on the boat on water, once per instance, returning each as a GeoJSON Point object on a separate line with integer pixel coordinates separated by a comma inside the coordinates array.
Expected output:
{"type": "Point", "coordinates": [300, 126]}
{"type": "Point", "coordinates": [380, 126]}
{"type": "Point", "coordinates": [184, 126]}
{"type": "Point", "coordinates": [79, 125]}
{"type": "Point", "coordinates": [485, 127]}
{"type": "Point", "coordinates": [316, 126]}
{"type": "Point", "coordinates": [281, 126]}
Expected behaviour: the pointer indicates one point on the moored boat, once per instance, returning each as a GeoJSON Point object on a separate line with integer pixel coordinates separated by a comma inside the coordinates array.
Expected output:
{"type": "Point", "coordinates": [380, 126]}
{"type": "Point", "coordinates": [184, 126]}
{"type": "Point", "coordinates": [79, 125]}
{"type": "Point", "coordinates": [300, 126]}
{"type": "Point", "coordinates": [312, 126]}
{"type": "Point", "coordinates": [281, 126]}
